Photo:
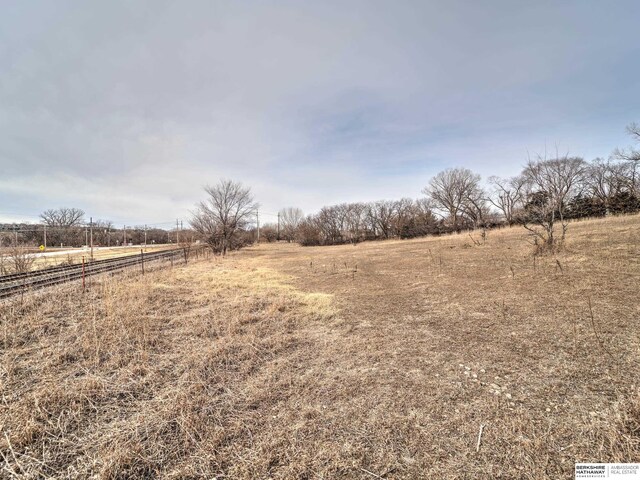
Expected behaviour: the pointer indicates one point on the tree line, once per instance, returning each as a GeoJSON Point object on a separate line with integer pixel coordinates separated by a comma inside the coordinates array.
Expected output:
{"type": "Point", "coordinates": [68, 227]}
{"type": "Point", "coordinates": [543, 197]}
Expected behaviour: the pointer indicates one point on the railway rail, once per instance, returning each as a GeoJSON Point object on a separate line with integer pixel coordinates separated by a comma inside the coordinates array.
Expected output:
{"type": "Point", "coordinates": [21, 282]}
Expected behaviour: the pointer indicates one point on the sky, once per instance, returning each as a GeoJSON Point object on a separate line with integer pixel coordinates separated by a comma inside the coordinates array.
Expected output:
{"type": "Point", "coordinates": [127, 109]}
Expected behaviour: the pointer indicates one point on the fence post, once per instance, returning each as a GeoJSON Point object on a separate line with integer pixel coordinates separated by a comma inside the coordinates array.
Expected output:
{"type": "Point", "coordinates": [83, 284]}
{"type": "Point", "coordinates": [142, 260]}
{"type": "Point", "coordinates": [185, 255]}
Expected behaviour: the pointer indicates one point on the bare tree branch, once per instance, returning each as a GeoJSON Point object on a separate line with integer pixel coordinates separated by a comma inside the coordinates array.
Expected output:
{"type": "Point", "coordinates": [228, 208]}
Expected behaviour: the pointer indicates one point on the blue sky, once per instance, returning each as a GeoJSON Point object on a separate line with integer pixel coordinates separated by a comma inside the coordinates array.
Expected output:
{"type": "Point", "coordinates": [126, 109]}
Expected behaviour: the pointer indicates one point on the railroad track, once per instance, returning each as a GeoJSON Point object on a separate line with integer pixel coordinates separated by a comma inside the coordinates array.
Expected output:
{"type": "Point", "coordinates": [20, 282]}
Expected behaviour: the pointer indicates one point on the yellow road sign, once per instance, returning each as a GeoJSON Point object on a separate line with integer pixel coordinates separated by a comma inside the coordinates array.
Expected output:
{"type": "Point", "coordinates": [42, 248]}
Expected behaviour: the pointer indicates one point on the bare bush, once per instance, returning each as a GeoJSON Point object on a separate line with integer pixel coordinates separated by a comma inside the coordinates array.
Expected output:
{"type": "Point", "coordinates": [19, 260]}
{"type": "Point", "coordinates": [4, 264]}
{"type": "Point", "coordinates": [268, 233]}
{"type": "Point", "coordinates": [309, 233]}
{"type": "Point", "coordinates": [550, 184]}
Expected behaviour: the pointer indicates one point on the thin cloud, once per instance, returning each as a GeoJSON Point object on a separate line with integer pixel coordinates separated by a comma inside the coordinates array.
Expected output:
{"type": "Point", "coordinates": [126, 109]}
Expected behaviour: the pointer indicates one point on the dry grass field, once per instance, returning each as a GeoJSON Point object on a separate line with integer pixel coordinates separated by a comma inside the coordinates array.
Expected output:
{"type": "Point", "coordinates": [74, 256]}
{"type": "Point", "coordinates": [380, 360]}
{"type": "Point", "coordinates": [30, 259]}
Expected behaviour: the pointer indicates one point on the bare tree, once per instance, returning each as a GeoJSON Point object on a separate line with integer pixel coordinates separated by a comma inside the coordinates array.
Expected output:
{"type": "Point", "coordinates": [330, 221]}
{"type": "Point", "coordinates": [423, 221]}
{"type": "Point", "coordinates": [402, 215]}
{"type": "Point", "coordinates": [632, 156]}
{"type": "Point", "coordinates": [454, 191]}
{"type": "Point", "coordinates": [228, 208]}
{"type": "Point", "coordinates": [355, 220]}
{"type": "Point", "coordinates": [475, 207]}
{"type": "Point", "coordinates": [550, 185]}
{"type": "Point", "coordinates": [290, 220]}
{"type": "Point", "coordinates": [64, 225]}
{"type": "Point", "coordinates": [606, 180]}
{"type": "Point", "coordinates": [507, 196]}
{"type": "Point", "coordinates": [63, 217]}
{"type": "Point", "coordinates": [633, 129]}
{"type": "Point", "coordinates": [381, 215]}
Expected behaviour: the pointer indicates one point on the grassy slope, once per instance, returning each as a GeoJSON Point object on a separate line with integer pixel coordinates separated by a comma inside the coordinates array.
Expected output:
{"type": "Point", "coordinates": [380, 359]}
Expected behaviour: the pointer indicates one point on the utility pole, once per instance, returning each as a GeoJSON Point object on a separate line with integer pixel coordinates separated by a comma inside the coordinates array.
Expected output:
{"type": "Point", "coordinates": [15, 234]}
{"type": "Point", "coordinates": [91, 233]}
{"type": "Point", "coordinates": [145, 236]}
{"type": "Point", "coordinates": [177, 233]}
{"type": "Point", "coordinates": [45, 236]}
{"type": "Point", "coordinates": [278, 237]}
{"type": "Point", "coordinates": [86, 237]}
{"type": "Point", "coordinates": [124, 235]}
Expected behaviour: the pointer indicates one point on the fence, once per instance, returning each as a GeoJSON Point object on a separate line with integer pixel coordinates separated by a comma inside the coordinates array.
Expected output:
{"type": "Point", "coordinates": [18, 283]}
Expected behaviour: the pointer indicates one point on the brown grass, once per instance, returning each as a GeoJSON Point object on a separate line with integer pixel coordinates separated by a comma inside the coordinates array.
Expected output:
{"type": "Point", "coordinates": [379, 360]}
{"type": "Point", "coordinates": [74, 256]}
